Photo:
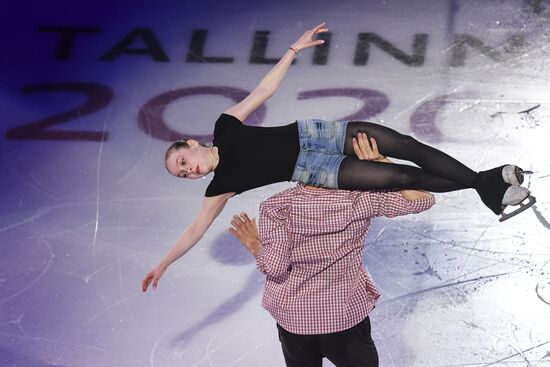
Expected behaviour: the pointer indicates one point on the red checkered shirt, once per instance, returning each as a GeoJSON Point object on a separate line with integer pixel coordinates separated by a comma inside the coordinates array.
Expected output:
{"type": "Point", "coordinates": [313, 243]}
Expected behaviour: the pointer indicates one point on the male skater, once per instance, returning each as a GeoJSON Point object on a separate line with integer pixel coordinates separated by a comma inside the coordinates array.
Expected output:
{"type": "Point", "coordinates": [310, 246]}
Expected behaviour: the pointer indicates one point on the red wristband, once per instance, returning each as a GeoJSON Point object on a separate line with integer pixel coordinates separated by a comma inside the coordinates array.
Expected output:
{"type": "Point", "coordinates": [294, 49]}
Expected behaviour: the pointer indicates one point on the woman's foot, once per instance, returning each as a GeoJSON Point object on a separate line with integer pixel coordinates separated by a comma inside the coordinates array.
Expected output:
{"type": "Point", "coordinates": [513, 174]}
{"type": "Point", "coordinates": [497, 194]}
{"type": "Point", "coordinates": [516, 195]}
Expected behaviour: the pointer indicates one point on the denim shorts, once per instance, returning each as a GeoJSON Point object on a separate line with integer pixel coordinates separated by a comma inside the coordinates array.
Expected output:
{"type": "Point", "coordinates": [321, 152]}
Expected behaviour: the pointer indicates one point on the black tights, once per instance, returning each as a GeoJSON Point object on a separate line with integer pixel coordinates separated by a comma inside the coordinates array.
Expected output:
{"type": "Point", "coordinates": [439, 172]}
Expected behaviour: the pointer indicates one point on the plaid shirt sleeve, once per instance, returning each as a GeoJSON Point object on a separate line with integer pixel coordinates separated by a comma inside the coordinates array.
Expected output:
{"type": "Point", "coordinates": [392, 204]}
{"type": "Point", "coordinates": [274, 258]}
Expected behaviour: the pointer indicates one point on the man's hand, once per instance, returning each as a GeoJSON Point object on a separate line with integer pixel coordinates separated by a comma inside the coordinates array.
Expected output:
{"type": "Point", "coordinates": [246, 231]}
{"type": "Point", "coordinates": [366, 149]}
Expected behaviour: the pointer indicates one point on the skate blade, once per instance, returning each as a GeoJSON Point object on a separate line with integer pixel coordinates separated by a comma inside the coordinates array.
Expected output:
{"type": "Point", "coordinates": [516, 177]}
{"type": "Point", "coordinates": [522, 207]}
{"type": "Point", "coordinates": [520, 176]}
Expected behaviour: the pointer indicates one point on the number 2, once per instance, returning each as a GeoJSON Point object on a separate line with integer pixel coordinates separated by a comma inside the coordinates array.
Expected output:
{"type": "Point", "coordinates": [98, 96]}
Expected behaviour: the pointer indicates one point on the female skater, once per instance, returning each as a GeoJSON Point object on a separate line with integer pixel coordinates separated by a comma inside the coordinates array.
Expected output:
{"type": "Point", "coordinates": [317, 153]}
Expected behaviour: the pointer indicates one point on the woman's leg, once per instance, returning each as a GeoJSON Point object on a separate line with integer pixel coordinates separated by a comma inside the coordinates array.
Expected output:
{"type": "Point", "coordinates": [394, 144]}
{"type": "Point", "coordinates": [355, 174]}
{"type": "Point", "coordinates": [439, 173]}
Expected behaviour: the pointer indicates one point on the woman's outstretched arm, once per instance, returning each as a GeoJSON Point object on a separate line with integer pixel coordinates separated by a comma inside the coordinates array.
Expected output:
{"type": "Point", "coordinates": [271, 81]}
{"type": "Point", "coordinates": [211, 208]}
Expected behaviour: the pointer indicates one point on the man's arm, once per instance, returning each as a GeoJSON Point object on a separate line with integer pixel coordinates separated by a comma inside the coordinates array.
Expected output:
{"type": "Point", "coordinates": [272, 251]}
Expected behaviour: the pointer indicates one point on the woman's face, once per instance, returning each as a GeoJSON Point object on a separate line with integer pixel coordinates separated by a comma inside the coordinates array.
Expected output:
{"type": "Point", "coordinates": [191, 162]}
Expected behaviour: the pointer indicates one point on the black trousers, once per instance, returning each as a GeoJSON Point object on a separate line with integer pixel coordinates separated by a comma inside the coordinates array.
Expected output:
{"type": "Point", "coordinates": [353, 347]}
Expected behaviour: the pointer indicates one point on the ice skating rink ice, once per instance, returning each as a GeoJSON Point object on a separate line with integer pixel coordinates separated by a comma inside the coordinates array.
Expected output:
{"type": "Point", "coordinates": [93, 92]}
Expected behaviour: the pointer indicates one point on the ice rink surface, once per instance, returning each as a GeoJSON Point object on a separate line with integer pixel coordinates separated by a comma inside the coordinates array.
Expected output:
{"type": "Point", "coordinates": [93, 92]}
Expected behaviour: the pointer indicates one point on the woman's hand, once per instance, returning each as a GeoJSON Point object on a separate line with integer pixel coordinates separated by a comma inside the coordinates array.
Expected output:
{"type": "Point", "coordinates": [153, 276]}
{"type": "Point", "coordinates": [366, 149]}
{"type": "Point", "coordinates": [306, 40]}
